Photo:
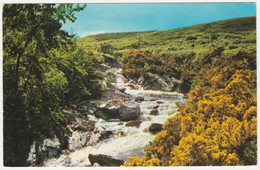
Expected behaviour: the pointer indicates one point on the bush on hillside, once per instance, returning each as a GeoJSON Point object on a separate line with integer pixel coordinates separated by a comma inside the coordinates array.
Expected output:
{"type": "Point", "coordinates": [136, 63]}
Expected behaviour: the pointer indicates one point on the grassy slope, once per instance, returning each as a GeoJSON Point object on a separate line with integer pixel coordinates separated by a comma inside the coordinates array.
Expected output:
{"type": "Point", "coordinates": [233, 34]}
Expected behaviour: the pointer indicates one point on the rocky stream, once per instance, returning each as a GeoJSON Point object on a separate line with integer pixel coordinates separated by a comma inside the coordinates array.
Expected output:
{"type": "Point", "coordinates": [117, 127]}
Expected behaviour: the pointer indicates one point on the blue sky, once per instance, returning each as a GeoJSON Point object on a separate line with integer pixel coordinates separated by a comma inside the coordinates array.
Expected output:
{"type": "Point", "coordinates": [102, 18]}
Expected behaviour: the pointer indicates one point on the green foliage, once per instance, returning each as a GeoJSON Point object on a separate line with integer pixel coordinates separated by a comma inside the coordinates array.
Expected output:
{"type": "Point", "coordinates": [84, 107]}
{"type": "Point", "coordinates": [66, 12]}
{"type": "Point", "coordinates": [79, 70]}
{"type": "Point", "coordinates": [43, 70]}
{"type": "Point", "coordinates": [110, 75]}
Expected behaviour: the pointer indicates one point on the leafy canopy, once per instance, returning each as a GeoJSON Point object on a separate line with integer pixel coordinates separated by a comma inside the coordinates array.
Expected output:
{"type": "Point", "coordinates": [43, 70]}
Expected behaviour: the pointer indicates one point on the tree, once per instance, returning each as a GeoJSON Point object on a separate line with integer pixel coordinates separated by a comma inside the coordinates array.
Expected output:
{"type": "Point", "coordinates": [31, 35]}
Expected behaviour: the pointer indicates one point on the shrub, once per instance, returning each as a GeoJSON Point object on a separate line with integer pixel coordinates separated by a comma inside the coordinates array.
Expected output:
{"type": "Point", "coordinates": [216, 127]}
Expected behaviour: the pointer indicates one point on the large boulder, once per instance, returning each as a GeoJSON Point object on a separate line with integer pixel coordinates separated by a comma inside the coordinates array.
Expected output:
{"type": "Point", "coordinates": [129, 111]}
{"type": "Point", "coordinates": [105, 160]}
{"type": "Point", "coordinates": [155, 128]}
{"type": "Point", "coordinates": [107, 111]}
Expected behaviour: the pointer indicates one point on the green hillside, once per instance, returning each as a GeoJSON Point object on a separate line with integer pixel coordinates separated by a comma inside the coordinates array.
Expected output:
{"type": "Point", "coordinates": [180, 53]}
{"type": "Point", "coordinates": [233, 34]}
{"type": "Point", "coordinates": [216, 65]}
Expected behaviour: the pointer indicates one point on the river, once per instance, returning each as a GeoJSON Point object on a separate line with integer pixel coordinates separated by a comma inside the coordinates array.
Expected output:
{"type": "Point", "coordinates": [134, 140]}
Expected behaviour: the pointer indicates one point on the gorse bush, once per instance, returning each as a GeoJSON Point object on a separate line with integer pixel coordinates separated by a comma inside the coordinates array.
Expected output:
{"type": "Point", "coordinates": [217, 126]}
{"type": "Point", "coordinates": [136, 63]}
{"type": "Point", "coordinates": [139, 63]}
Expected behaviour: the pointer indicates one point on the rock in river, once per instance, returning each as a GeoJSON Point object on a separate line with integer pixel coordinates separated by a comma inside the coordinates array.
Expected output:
{"type": "Point", "coordinates": [107, 111]}
{"type": "Point", "coordinates": [139, 99]}
{"type": "Point", "coordinates": [155, 128]}
{"type": "Point", "coordinates": [104, 160]}
{"type": "Point", "coordinates": [134, 123]}
{"type": "Point", "coordinates": [129, 111]}
{"type": "Point", "coordinates": [155, 111]}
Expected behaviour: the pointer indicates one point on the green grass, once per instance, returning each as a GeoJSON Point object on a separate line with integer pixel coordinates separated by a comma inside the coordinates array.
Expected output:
{"type": "Point", "coordinates": [233, 34]}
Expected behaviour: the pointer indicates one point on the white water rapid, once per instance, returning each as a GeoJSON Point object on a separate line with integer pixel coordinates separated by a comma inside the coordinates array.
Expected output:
{"type": "Point", "coordinates": [134, 140]}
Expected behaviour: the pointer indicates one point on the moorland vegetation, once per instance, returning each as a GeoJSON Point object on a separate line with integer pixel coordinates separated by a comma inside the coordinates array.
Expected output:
{"type": "Point", "coordinates": [46, 69]}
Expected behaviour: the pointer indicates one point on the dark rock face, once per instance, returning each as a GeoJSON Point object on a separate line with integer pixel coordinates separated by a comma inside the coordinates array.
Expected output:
{"type": "Point", "coordinates": [104, 160]}
{"type": "Point", "coordinates": [155, 128]}
{"type": "Point", "coordinates": [134, 123]}
{"type": "Point", "coordinates": [129, 111]}
{"type": "Point", "coordinates": [100, 114]}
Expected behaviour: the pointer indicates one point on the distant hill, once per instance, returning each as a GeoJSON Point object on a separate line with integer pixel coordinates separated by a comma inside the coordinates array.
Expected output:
{"type": "Point", "coordinates": [233, 34]}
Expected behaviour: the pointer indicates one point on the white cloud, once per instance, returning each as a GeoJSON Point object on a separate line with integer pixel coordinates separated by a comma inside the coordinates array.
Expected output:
{"type": "Point", "coordinates": [88, 33]}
